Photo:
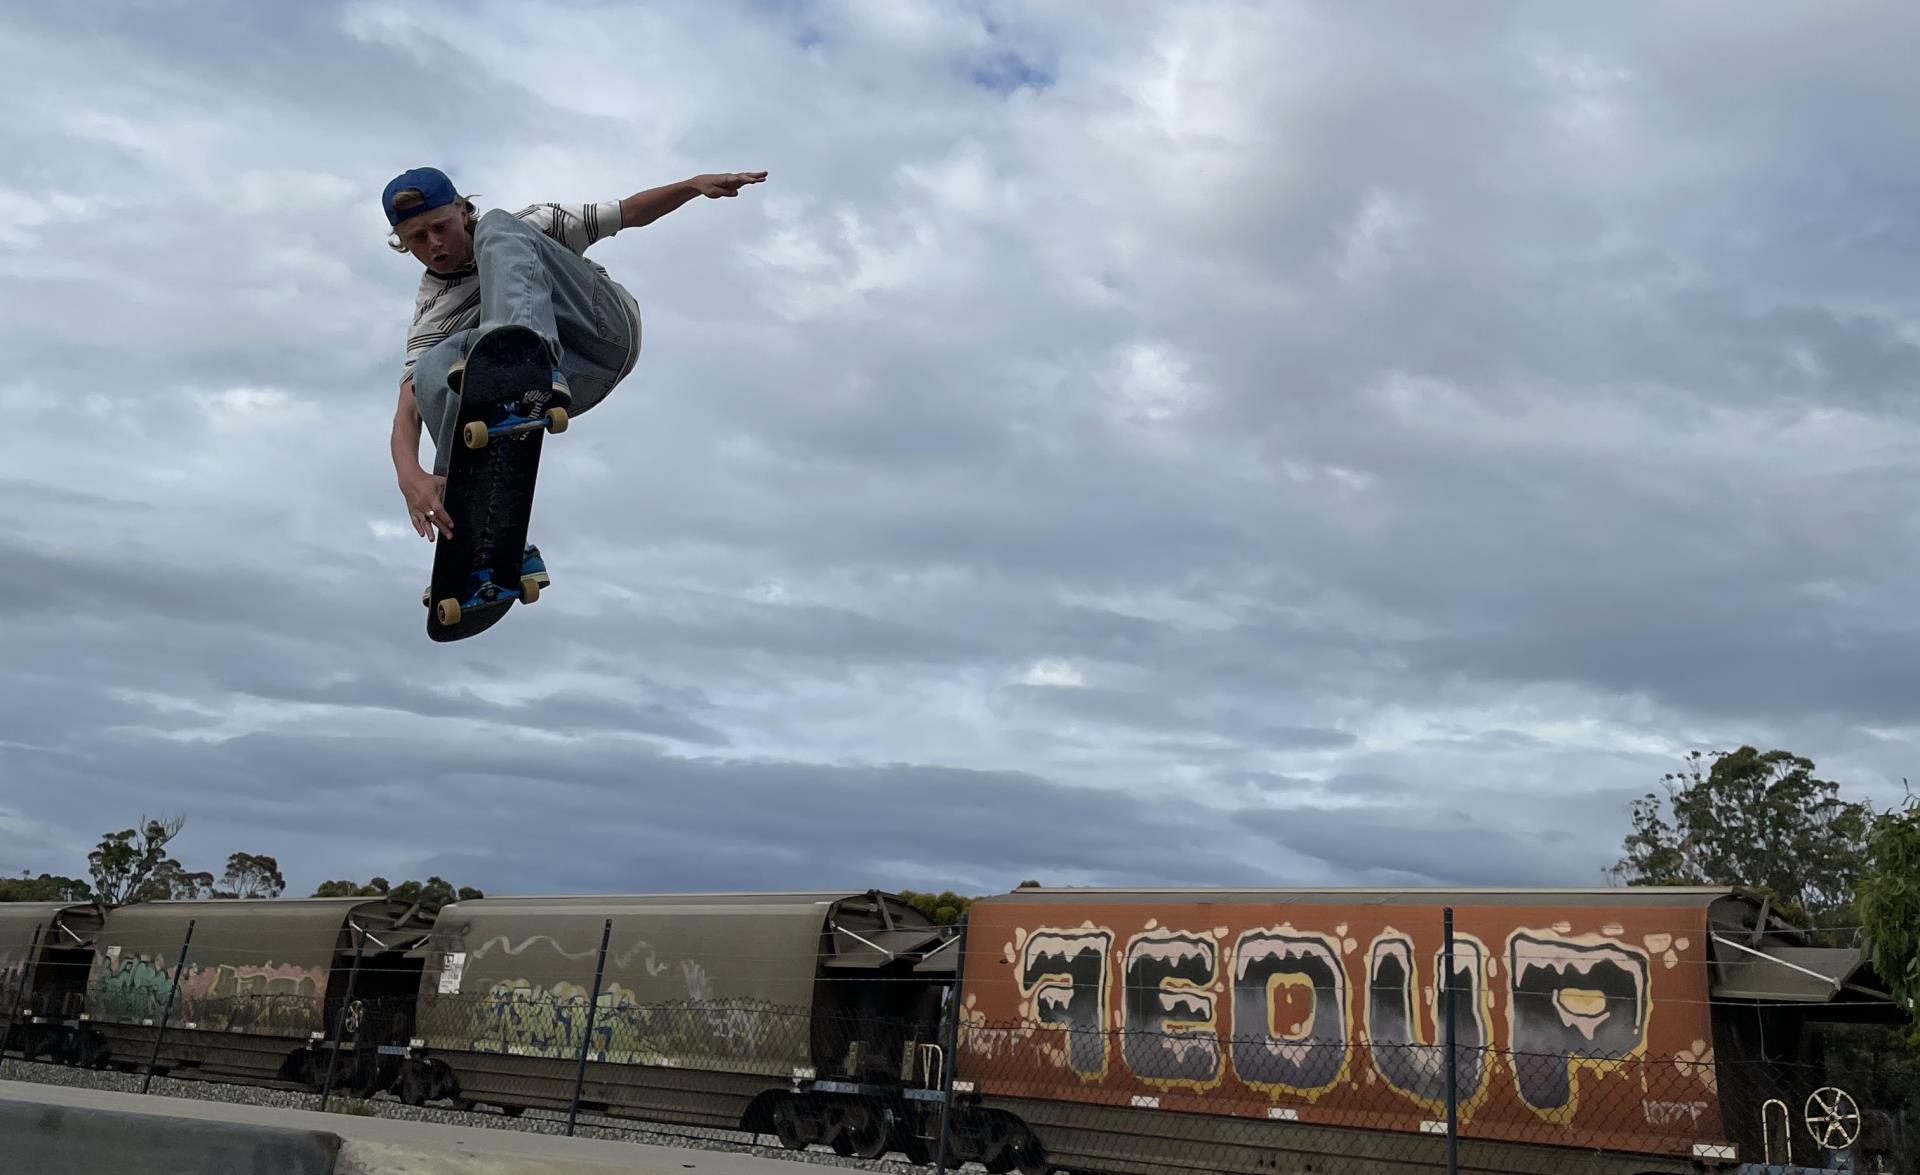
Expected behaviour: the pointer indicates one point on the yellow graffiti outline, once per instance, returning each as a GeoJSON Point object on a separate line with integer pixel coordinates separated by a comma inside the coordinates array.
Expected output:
{"type": "Point", "coordinates": [1601, 1066]}
{"type": "Point", "coordinates": [1029, 992]}
{"type": "Point", "coordinates": [1478, 994]}
{"type": "Point", "coordinates": [1210, 1027]}
{"type": "Point", "coordinates": [1275, 1089]}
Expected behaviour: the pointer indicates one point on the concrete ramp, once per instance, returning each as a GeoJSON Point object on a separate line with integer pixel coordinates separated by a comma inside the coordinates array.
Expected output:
{"type": "Point", "coordinates": [75, 1140]}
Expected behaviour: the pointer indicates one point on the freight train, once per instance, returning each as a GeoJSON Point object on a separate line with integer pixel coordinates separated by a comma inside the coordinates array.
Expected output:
{"type": "Point", "coordinates": [1093, 1031]}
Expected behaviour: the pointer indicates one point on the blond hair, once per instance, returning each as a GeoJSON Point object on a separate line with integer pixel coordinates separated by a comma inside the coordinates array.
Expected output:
{"type": "Point", "coordinates": [407, 199]}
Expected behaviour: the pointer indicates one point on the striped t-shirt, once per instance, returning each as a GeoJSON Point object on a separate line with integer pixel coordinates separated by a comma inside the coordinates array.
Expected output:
{"type": "Point", "coordinates": [450, 303]}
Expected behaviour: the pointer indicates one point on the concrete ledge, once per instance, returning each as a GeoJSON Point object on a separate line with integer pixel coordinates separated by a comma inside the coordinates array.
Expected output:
{"type": "Point", "coordinates": [64, 1130]}
{"type": "Point", "coordinates": [77, 1140]}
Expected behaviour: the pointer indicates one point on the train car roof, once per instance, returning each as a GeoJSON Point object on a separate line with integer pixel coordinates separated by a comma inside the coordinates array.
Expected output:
{"type": "Point", "coordinates": [1674, 895]}
{"type": "Point", "coordinates": [619, 903]}
{"type": "Point", "coordinates": [73, 924]}
{"type": "Point", "coordinates": [316, 919]}
{"type": "Point", "coordinates": [28, 913]}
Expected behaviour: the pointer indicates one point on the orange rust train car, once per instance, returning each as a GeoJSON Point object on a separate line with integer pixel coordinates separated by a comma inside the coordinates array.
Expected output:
{"type": "Point", "coordinates": [1615, 1031]}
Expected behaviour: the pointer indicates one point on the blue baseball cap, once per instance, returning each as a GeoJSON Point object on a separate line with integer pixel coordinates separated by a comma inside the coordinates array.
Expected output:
{"type": "Point", "coordinates": [433, 184]}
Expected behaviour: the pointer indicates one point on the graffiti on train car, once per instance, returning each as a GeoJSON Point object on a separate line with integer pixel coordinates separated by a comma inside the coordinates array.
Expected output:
{"type": "Point", "coordinates": [1576, 1003]}
{"type": "Point", "coordinates": [131, 987]}
{"type": "Point", "coordinates": [1170, 1035]}
{"type": "Point", "coordinates": [741, 1027]}
{"type": "Point", "coordinates": [1403, 1057]}
{"type": "Point", "coordinates": [518, 1017]}
{"type": "Point", "coordinates": [621, 960]}
{"type": "Point", "coordinates": [522, 1018]}
{"type": "Point", "coordinates": [267, 997]}
{"type": "Point", "coordinates": [1297, 1013]}
{"type": "Point", "coordinates": [1695, 1063]}
{"type": "Point", "coordinates": [1290, 1004]}
{"type": "Point", "coordinates": [1065, 985]}
{"type": "Point", "coordinates": [538, 1014]}
{"type": "Point", "coordinates": [228, 981]}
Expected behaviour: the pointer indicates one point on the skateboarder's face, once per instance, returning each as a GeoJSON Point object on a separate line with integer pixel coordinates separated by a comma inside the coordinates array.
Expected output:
{"type": "Point", "coordinates": [439, 239]}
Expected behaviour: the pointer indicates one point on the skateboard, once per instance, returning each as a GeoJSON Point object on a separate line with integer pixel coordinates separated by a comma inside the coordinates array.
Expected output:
{"type": "Point", "coordinates": [506, 405]}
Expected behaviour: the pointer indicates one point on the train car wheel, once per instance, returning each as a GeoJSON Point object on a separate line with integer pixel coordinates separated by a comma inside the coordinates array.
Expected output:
{"type": "Point", "coordinates": [966, 1138]}
{"type": "Point", "coordinates": [867, 1132]}
{"type": "Point", "coordinates": [1029, 1157]}
{"type": "Point", "coordinates": [413, 1085]}
{"type": "Point", "coordinates": [1001, 1144]}
{"type": "Point", "coordinates": [294, 1066]}
{"type": "Point", "coordinates": [788, 1126]}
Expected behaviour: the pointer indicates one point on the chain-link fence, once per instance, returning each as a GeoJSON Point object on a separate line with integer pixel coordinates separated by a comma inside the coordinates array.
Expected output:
{"type": "Point", "coordinates": [1339, 1106]}
{"type": "Point", "coordinates": [871, 1071]}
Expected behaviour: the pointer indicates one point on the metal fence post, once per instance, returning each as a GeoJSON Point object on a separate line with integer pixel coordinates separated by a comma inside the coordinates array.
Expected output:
{"type": "Point", "coordinates": [950, 1049]}
{"type": "Point", "coordinates": [1447, 997]}
{"type": "Point", "coordinates": [166, 1013]}
{"type": "Point", "coordinates": [20, 992]}
{"type": "Point", "coordinates": [586, 1038]}
{"type": "Point", "coordinates": [340, 1021]}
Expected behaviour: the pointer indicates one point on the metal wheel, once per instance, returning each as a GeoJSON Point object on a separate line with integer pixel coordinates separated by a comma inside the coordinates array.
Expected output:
{"type": "Point", "coordinates": [413, 1086]}
{"type": "Point", "coordinates": [1029, 1157]}
{"type": "Point", "coordinates": [867, 1131]}
{"type": "Point", "coordinates": [788, 1127]}
{"type": "Point", "coordinates": [1833, 1118]}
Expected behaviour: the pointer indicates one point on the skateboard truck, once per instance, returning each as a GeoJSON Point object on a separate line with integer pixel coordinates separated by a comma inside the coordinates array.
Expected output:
{"type": "Point", "coordinates": [482, 590]}
{"type": "Point", "coordinates": [477, 432]}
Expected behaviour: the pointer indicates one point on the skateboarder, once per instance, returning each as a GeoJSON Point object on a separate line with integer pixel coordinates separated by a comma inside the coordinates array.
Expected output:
{"type": "Point", "coordinates": [527, 269]}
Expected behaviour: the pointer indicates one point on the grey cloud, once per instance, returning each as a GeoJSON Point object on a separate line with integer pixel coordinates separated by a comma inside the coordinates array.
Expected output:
{"type": "Point", "coordinates": [525, 815]}
{"type": "Point", "coordinates": [568, 711]}
{"type": "Point", "coordinates": [1154, 712]}
{"type": "Point", "coordinates": [1358, 407]}
{"type": "Point", "coordinates": [1423, 846]}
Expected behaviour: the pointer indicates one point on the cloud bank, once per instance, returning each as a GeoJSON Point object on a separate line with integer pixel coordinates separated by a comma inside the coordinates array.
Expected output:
{"type": "Point", "coordinates": [1226, 443]}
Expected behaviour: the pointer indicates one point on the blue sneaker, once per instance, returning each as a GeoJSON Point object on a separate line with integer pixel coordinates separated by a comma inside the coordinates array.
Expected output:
{"type": "Point", "coordinates": [533, 567]}
{"type": "Point", "coordinates": [562, 394]}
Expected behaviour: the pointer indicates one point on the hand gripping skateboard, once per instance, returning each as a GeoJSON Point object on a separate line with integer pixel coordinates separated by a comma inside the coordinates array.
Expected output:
{"type": "Point", "coordinates": [507, 402]}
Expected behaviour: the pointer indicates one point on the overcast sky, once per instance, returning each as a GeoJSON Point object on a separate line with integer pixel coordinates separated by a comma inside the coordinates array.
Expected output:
{"type": "Point", "coordinates": [1303, 444]}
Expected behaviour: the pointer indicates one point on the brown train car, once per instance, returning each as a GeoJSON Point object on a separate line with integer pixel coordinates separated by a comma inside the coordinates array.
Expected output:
{"type": "Point", "coordinates": [262, 987]}
{"type": "Point", "coordinates": [789, 1013]}
{"type": "Point", "coordinates": [46, 949]}
{"type": "Point", "coordinates": [1601, 1031]}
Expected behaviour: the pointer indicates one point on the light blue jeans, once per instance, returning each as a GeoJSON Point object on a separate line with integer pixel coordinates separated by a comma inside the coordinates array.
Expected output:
{"type": "Point", "coordinates": [529, 279]}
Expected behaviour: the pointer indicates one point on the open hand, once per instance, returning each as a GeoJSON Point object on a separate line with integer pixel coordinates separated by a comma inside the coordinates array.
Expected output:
{"type": "Point", "coordinates": [423, 492]}
{"type": "Point", "coordinates": [726, 183]}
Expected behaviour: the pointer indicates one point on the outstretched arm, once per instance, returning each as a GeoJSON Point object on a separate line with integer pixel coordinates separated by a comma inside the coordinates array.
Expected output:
{"type": "Point", "coordinates": [654, 203]}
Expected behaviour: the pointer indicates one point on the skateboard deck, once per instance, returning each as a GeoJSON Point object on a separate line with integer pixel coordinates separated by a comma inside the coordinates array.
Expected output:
{"type": "Point", "coordinates": [506, 406]}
